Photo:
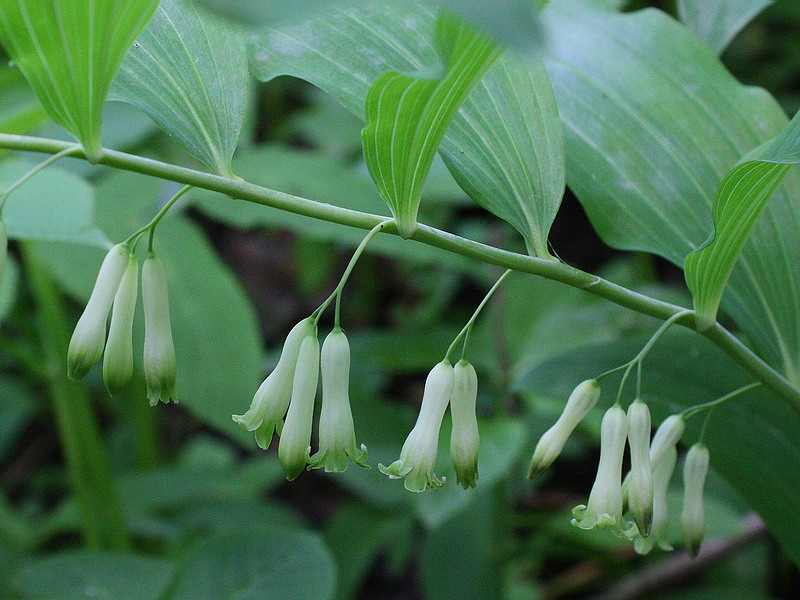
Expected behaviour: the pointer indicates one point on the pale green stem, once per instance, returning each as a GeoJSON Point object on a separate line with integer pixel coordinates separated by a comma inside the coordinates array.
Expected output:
{"type": "Point", "coordinates": [337, 292]}
{"type": "Point", "coordinates": [550, 269]}
{"type": "Point", "coordinates": [693, 410]}
{"type": "Point", "coordinates": [4, 194]}
{"type": "Point", "coordinates": [468, 327]}
{"type": "Point", "coordinates": [151, 226]}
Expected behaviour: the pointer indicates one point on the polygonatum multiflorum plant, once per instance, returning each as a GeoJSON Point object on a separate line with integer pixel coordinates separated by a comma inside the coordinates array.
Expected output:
{"type": "Point", "coordinates": [666, 151]}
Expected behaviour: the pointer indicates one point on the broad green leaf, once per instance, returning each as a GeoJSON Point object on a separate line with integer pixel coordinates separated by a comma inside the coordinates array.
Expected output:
{"type": "Point", "coordinates": [504, 147]}
{"type": "Point", "coordinates": [459, 559]}
{"type": "Point", "coordinates": [188, 71]}
{"type": "Point", "coordinates": [69, 51]}
{"type": "Point", "coordinates": [717, 22]}
{"type": "Point", "coordinates": [510, 21]}
{"type": "Point", "coordinates": [83, 575]}
{"type": "Point", "coordinates": [266, 565]}
{"type": "Point", "coordinates": [652, 128]}
{"type": "Point", "coordinates": [52, 205]}
{"type": "Point", "coordinates": [407, 117]}
{"type": "Point", "coordinates": [740, 200]}
{"type": "Point", "coordinates": [754, 440]}
{"type": "Point", "coordinates": [20, 111]}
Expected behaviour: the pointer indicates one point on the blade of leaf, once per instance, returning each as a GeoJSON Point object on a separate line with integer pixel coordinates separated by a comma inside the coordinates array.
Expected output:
{"type": "Point", "coordinates": [188, 72]}
{"type": "Point", "coordinates": [505, 145]}
{"type": "Point", "coordinates": [407, 117]}
{"type": "Point", "coordinates": [69, 52]}
{"type": "Point", "coordinates": [717, 22]}
{"type": "Point", "coordinates": [741, 198]}
{"type": "Point", "coordinates": [652, 128]}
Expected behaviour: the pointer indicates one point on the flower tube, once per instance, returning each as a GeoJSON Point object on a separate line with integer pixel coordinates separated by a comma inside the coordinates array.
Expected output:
{"type": "Point", "coordinates": [662, 474]}
{"type": "Point", "coordinates": [465, 438]}
{"type": "Point", "coordinates": [159, 351]}
{"type": "Point", "coordinates": [695, 470]}
{"type": "Point", "coordinates": [118, 359]}
{"type": "Point", "coordinates": [640, 492]}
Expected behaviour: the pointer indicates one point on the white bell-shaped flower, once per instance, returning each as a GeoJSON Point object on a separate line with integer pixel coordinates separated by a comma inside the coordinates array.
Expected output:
{"type": "Point", "coordinates": [294, 448]}
{"type": "Point", "coordinates": [337, 437]}
{"type": "Point", "coordinates": [89, 338]}
{"type": "Point", "coordinates": [604, 509]}
{"type": "Point", "coordinates": [159, 351]}
{"type": "Point", "coordinates": [662, 474]}
{"type": "Point", "coordinates": [582, 399]}
{"type": "Point", "coordinates": [418, 455]}
{"type": "Point", "coordinates": [695, 470]}
{"type": "Point", "coordinates": [666, 438]}
{"type": "Point", "coordinates": [640, 492]}
{"type": "Point", "coordinates": [465, 439]}
{"type": "Point", "coordinates": [271, 400]}
{"type": "Point", "coordinates": [118, 358]}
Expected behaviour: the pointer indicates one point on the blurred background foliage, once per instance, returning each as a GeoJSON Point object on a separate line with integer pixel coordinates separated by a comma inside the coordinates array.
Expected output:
{"type": "Point", "coordinates": [210, 515]}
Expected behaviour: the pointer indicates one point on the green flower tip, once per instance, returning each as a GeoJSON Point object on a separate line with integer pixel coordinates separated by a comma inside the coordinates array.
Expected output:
{"type": "Point", "coordinates": [417, 478]}
{"type": "Point", "coordinates": [337, 460]}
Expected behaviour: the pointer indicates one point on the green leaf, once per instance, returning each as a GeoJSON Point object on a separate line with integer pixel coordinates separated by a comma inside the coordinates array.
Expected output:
{"type": "Point", "coordinates": [52, 205]}
{"type": "Point", "coordinates": [504, 147]}
{"type": "Point", "coordinates": [510, 21]}
{"type": "Point", "coordinates": [84, 575]}
{"type": "Point", "coordinates": [753, 440]}
{"type": "Point", "coordinates": [20, 111]}
{"type": "Point", "coordinates": [407, 117]}
{"type": "Point", "coordinates": [266, 565]}
{"type": "Point", "coordinates": [188, 71]}
{"type": "Point", "coordinates": [648, 145]}
{"type": "Point", "coordinates": [69, 52]}
{"type": "Point", "coordinates": [741, 198]}
{"type": "Point", "coordinates": [717, 22]}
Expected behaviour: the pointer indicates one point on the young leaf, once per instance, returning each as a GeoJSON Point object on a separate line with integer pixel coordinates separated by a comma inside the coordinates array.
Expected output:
{"type": "Point", "coordinates": [408, 116]}
{"type": "Point", "coordinates": [504, 146]}
{"type": "Point", "coordinates": [740, 200]}
{"type": "Point", "coordinates": [648, 147]}
{"type": "Point", "coordinates": [188, 71]}
{"type": "Point", "coordinates": [69, 52]}
{"type": "Point", "coordinates": [717, 22]}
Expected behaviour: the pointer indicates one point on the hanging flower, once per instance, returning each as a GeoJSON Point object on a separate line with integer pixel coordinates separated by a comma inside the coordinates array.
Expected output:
{"type": "Point", "coordinates": [695, 470]}
{"type": "Point", "coordinates": [294, 448]}
{"type": "Point", "coordinates": [580, 402]}
{"type": "Point", "coordinates": [662, 474]}
{"type": "Point", "coordinates": [418, 455]}
{"type": "Point", "coordinates": [465, 438]}
{"type": "Point", "coordinates": [159, 351]}
{"type": "Point", "coordinates": [118, 359]}
{"type": "Point", "coordinates": [89, 337]}
{"type": "Point", "coordinates": [271, 400]}
{"type": "Point", "coordinates": [604, 509]}
{"type": "Point", "coordinates": [337, 438]}
{"type": "Point", "coordinates": [640, 493]}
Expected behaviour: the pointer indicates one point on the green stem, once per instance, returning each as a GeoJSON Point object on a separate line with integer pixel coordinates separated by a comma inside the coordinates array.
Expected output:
{"type": "Point", "coordinates": [547, 268]}
{"type": "Point", "coordinates": [151, 226]}
{"type": "Point", "coordinates": [468, 327]}
{"type": "Point", "coordinates": [87, 463]}
{"type": "Point", "coordinates": [72, 149]}
{"type": "Point", "coordinates": [337, 293]}
{"type": "Point", "coordinates": [691, 411]}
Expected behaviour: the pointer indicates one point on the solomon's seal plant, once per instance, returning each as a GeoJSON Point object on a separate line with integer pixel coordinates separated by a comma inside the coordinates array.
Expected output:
{"type": "Point", "coordinates": [609, 104]}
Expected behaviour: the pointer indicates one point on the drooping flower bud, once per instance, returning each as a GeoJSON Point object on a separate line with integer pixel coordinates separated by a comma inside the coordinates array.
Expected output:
{"type": "Point", "coordinates": [89, 337]}
{"type": "Point", "coordinates": [337, 437]}
{"type": "Point", "coordinates": [159, 351]}
{"type": "Point", "coordinates": [118, 359]}
{"type": "Point", "coordinates": [3, 248]}
{"type": "Point", "coordinates": [295, 445]}
{"type": "Point", "coordinates": [271, 400]}
{"type": "Point", "coordinates": [581, 401]}
{"type": "Point", "coordinates": [640, 493]}
{"type": "Point", "coordinates": [465, 439]}
{"type": "Point", "coordinates": [665, 439]}
{"type": "Point", "coordinates": [695, 470]}
{"type": "Point", "coordinates": [418, 455]}
{"type": "Point", "coordinates": [604, 509]}
{"type": "Point", "coordinates": [662, 474]}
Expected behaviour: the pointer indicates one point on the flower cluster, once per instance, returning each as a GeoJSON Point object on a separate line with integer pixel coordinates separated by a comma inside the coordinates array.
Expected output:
{"type": "Point", "coordinates": [643, 492]}
{"type": "Point", "coordinates": [284, 404]}
{"type": "Point", "coordinates": [458, 388]}
{"type": "Point", "coordinates": [116, 291]}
